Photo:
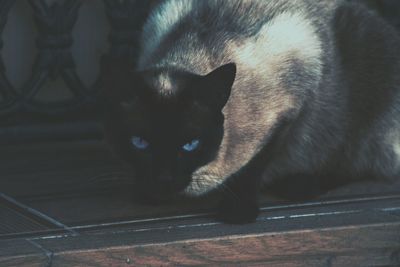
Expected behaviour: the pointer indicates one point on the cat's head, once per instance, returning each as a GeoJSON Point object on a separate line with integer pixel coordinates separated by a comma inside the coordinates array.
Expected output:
{"type": "Point", "coordinates": [166, 123]}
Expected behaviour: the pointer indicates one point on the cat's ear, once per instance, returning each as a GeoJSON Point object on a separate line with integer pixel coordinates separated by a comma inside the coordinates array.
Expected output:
{"type": "Point", "coordinates": [216, 86]}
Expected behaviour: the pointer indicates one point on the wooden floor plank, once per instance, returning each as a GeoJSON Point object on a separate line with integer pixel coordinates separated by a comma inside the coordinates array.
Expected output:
{"type": "Point", "coordinates": [109, 206]}
{"type": "Point", "coordinates": [38, 260]}
{"type": "Point", "coordinates": [282, 219]}
{"type": "Point", "coordinates": [373, 245]}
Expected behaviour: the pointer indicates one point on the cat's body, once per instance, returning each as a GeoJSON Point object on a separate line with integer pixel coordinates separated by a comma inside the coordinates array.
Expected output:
{"type": "Point", "coordinates": [315, 98]}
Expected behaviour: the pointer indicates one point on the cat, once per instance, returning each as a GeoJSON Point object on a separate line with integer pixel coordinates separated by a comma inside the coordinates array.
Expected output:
{"type": "Point", "coordinates": [298, 96]}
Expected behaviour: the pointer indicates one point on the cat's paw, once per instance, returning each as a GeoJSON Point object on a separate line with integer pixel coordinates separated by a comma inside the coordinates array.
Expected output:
{"type": "Point", "coordinates": [237, 212]}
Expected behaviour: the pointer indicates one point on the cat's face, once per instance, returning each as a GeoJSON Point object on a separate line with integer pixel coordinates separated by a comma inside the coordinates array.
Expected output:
{"type": "Point", "coordinates": [168, 124]}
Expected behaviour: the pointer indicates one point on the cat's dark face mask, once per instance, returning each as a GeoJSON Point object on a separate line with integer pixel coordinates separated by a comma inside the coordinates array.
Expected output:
{"type": "Point", "coordinates": [165, 135]}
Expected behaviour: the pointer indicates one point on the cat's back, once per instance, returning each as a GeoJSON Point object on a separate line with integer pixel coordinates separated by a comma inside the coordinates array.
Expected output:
{"type": "Point", "coordinates": [200, 29]}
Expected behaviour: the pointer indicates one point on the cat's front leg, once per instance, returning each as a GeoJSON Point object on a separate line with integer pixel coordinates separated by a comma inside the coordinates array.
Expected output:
{"type": "Point", "coordinates": [239, 203]}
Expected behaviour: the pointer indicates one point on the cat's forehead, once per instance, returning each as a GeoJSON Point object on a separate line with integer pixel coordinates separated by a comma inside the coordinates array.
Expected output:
{"type": "Point", "coordinates": [166, 122]}
{"type": "Point", "coordinates": [166, 82]}
{"type": "Point", "coordinates": [165, 96]}
{"type": "Point", "coordinates": [162, 82]}
{"type": "Point", "coordinates": [166, 114]}
{"type": "Point", "coordinates": [154, 91]}
{"type": "Point", "coordinates": [163, 107]}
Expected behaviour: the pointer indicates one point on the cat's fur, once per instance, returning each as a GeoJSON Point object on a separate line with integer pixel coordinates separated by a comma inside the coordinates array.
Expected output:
{"type": "Point", "coordinates": [315, 101]}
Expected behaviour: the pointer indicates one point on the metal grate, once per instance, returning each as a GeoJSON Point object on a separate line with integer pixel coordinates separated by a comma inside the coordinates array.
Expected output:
{"type": "Point", "coordinates": [16, 220]}
{"type": "Point", "coordinates": [13, 222]}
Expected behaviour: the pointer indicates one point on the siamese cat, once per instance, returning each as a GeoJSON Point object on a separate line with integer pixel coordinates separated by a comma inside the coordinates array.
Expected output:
{"type": "Point", "coordinates": [298, 96]}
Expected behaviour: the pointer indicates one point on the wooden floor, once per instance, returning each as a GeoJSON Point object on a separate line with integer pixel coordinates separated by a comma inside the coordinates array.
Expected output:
{"type": "Point", "coordinates": [70, 204]}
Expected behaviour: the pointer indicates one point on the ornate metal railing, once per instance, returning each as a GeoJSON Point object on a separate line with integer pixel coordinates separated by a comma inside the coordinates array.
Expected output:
{"type": "Point", "coordinates": [54, 22]}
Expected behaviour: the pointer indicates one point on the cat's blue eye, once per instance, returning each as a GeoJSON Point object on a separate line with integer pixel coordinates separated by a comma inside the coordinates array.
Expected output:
{"type": "Point", "coordinates": [192, 145]}
{"type": "Point", "coordinates": [139, 143]}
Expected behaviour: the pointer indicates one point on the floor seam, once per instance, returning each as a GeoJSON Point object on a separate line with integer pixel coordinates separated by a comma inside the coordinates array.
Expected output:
{"type": "Point", "coordinates": [49, 254]}
{"type": "Point", "coordinates": [38, 213]}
